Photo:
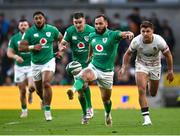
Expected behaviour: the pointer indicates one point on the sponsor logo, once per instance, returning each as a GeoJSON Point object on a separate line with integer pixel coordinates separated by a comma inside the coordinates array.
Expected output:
{"type": "Point", "coordinates": [81, 45]}
{"type": "Point", "coordinates": [99, 47]}
{"type": "Point", "coordinates": [74, 37]}
{"type": "Point", "coordinates": [43, 41]}
{"type": "Point", "coordinates": [48, 34]}
{"type": "Point", "coordinates": [36, 35]}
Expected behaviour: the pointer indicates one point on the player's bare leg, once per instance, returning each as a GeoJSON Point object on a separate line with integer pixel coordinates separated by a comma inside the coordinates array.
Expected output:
{"type": "Point", "coordinates": [47, 93]}
{"type": "Point", "coordinates": [153, 87]}
{"type": "Point", "coordinates": [141, 81]}
{"type": "Point", "coordinates": [31, 90]}
{"type": "Point", "coordinates": [22, 89]}
{"type": "Point", "coordinates": [39, 91]}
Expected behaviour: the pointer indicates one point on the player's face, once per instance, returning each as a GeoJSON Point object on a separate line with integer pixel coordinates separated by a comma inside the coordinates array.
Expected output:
{"type": "Point", "coordinates": [79, 24]}
{"type": "Point", "coordinates": [100, 25]}
{"type": "Point", "coordinates": [39, 20]}
{"type": "Point", "coordinates": [23, 26]}
{"type": "Point", "coordinates": [147, 34]}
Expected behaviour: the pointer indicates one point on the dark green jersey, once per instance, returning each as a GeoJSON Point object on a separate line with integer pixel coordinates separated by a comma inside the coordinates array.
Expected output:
{"type": "Point", "coordinates": [79, 43]}
{"type": "Point", "coordinates": [104, 49]}
{"type": "Point", "coordinates": [13, 44]}
{"type": "Point", "coordinates": [45, 36]}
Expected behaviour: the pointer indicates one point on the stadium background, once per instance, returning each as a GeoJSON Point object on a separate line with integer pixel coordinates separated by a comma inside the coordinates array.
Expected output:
{"type": "Point", "coordinates": [123, 15]}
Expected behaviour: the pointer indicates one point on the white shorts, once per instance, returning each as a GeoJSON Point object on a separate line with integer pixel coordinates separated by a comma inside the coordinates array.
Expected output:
{"type": "Point", "coordinates": [22, 73]}
{"type": "Point", "coordinates": [154, 73]}
{"type": "Point", "coordinates": [38, 69]}
{"type": "Point", "coordinates": [104, 79]}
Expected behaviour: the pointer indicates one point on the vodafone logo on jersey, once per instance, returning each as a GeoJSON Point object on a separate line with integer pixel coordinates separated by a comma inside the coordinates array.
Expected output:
{"type": "Point", "coordinates": [80, 45]}
{"type": "Point", "coordinates": [43, 41]}
{"type": "Point", "coordinates": [99, 47]}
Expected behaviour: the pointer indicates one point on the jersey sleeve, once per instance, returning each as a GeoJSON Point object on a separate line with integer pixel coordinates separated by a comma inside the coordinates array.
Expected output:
{"type": "Point", "coordinates": [117, 35]}
{"type": "Point", "coordinates": [27, 36]}
{"type": "Point", "coordinates": [57, 33]}
{"type": "Point", "coordinates": [11, 43]}
{"type": "Point", "coordinates": [162, 45]}
{"type": "Point", "coordinates": [133, 45]}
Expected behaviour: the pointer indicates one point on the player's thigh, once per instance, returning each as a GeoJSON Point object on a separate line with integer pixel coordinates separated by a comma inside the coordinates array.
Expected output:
{"type": "Point", "coordinates": [153, 86]}
{"type": "Point", "coordinates": [88, 74]}
{"type": "Point", "coordinates": [141, 80]}
{"type": "Point", "coordinates": [19, 74]}
{"type": "Point", "coordinates": [36, 72]}
{"type": "Point", "coordinates": [105, 79]}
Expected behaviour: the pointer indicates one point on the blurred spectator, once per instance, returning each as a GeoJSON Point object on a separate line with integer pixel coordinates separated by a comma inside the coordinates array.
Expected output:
{"type": "Point", "coordinates": [168, 35]}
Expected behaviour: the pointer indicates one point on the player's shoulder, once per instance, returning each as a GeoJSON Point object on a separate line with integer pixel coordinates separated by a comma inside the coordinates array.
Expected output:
{"type": "Point", "coordinates": [71, 29]}
{"type": "Point", "coordinates": [92, 34]}
{"type": "Point", "coordinates": [49, 26]}
{"type": "Point", "coordinates": [157, 37]}
{"type": "Point", "coordinates": [89, 28]}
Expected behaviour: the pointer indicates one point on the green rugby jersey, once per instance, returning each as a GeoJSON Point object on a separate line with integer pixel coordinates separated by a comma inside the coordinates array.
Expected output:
{"type": "Point", "coordinates": [13, 44]}
{"type": "Point", "coordinates": [45, 36]}
{"type": "Point", "coordinates": [79, 43]}
{"type": "Point", "coordinates": [104, 49]}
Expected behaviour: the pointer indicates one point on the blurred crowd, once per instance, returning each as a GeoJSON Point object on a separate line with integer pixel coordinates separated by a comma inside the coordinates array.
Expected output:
{"type": "Point", "coordinates": [131, 22]}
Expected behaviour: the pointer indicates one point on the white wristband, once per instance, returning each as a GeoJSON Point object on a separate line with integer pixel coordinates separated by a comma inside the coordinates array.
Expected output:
{"type": "Point", "coordinates": [31, 47]}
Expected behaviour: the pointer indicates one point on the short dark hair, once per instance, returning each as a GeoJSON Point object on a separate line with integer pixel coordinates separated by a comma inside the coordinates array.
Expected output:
{"type": "Point", "coordinates": [146, 24]}
{"type": "Point", "coordinates": [101, 15]}
{"type": "Point", "coordinates": [78, 15]}
{"type": "Point", "coordinates": [23, 20]}
{"type": "Point", "coordinates": [38, 13]}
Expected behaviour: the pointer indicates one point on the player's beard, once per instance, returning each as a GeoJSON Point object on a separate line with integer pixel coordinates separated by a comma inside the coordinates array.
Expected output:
{"type": "Point", "coordinates": [101, 32]}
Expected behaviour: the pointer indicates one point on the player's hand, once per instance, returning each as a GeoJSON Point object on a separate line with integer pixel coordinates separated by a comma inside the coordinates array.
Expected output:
{"type": "Point", "coordinates": [62, 48]}
{"type": "Point", "coordinates": [122, 71]}
{"type": "Point", "coordinates": [129, 35]}
{"type": "Point", "coordinates": [58, 54]}
{"type": "Point", "coordinates": [170, 76]}
{"type": "Point", "coordinates": [37, 47]}
{"type": "Point", "coordinates": [18, 59]}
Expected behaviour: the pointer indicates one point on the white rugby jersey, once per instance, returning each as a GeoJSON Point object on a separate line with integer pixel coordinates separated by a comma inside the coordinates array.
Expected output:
{"type": "Point", "coordinates": [148, 54]}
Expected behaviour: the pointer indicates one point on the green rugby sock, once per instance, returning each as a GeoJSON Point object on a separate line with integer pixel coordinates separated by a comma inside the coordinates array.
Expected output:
{"type": "Point", "coordinates": [47, 107]}
{"type": "Point", "coordinates": [107, 107]}
{"type": "Point", "coordinates": [78, 84]}
{"type": "Point", "coordinates": [82, 101]}
{"type": "Point", "coordinates": [24, 106]}
{"type": "Point", "coordinates": [87, 94]}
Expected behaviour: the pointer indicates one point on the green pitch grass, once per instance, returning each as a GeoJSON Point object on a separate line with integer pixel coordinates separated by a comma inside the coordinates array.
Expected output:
{"type": "Point", "coordinates": [68, 122]}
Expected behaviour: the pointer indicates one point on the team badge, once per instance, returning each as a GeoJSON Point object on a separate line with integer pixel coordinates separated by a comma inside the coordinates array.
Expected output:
{"type": "Point", "coordinates": [43, 41]}
{"type": "Point", "coordinates": [99, 47]}
{"type": "Point", "coordinates": [104, 40]}
{"type": "Point", "coordinates": [48, 34]}
{"type": "Point", "coordinates": [155, 48]}
{"type": "Point", "coordinates": [81, 45]}
{"type": "Point", "coordinates": [74, 37]}
{"type": "Point", "coordinates": [86, 38]}
{"type": "Point", "coordinates": [36, 35]}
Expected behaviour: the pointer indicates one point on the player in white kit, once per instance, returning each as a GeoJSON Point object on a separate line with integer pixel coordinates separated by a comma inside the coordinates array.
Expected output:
{"type": "Point", "coordinates": [149, 47]}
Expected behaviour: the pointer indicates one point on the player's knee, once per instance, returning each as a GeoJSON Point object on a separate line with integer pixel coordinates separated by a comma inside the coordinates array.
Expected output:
{"type": "Point", "coordinates": [46, 84]}
{"type": "Point", "coordinates": [31, 89]}
{"type": "Point", "coordinates": [153, 94]}
{"type": "Point", "coordinates": [88, 75]}
{"type": "Point", "coordinates": [142, 91]}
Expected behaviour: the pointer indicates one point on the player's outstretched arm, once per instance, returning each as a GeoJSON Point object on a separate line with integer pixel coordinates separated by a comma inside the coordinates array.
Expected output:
{"type": "Point", "coordinates": [126, 61]}
{"type": "Point", "coordinates": [11, 54]}
{"type": "Point", "coordinates": [127, 35]}
{"type": "Point", "coordinates": [25, 47]}
{"type": "Point", "coordinates": [169, 60]}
